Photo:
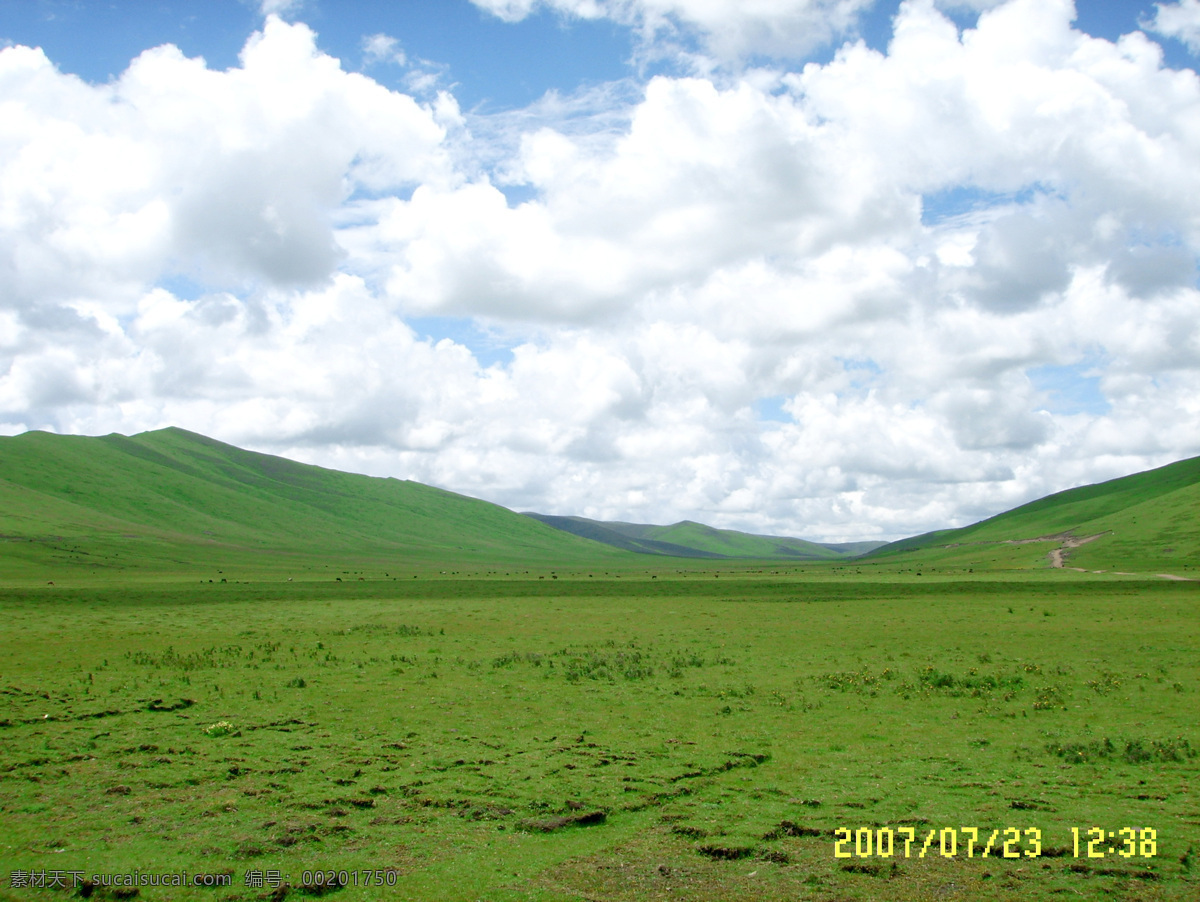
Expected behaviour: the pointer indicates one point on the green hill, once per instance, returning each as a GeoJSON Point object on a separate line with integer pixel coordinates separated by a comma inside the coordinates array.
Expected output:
{"type": "Point", "coordinates": [618, 536]}
{"type": "Point", "coordinates": [171, 503]}
{"type": "Point", "coordinates": [689, 539]}
{"type": "Point", "coordinates": [174, 501]}
{"type": "Point", "coordinates": [1148, 521]}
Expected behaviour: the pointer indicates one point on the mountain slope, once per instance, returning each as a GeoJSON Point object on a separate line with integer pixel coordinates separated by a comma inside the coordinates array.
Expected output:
{"type": "Point", "coordinates": [689, 539]}
{"type": "Point", "coordinates": [171, 498]}
{"type": "Point", "coordinates": [1145, 521]}
{"type": "Point", "coordinates": [616, 535]}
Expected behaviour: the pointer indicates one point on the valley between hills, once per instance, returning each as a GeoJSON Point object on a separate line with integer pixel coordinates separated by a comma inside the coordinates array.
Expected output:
{"type": "Point", "coordinates": [171, 501]}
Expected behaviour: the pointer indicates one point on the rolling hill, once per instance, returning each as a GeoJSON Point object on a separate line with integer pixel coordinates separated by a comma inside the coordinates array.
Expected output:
{"type": "Point", "coordinates": [1148, 521]}
{"type": "Point", "coordinates": [690, 539]}
{"type": "Point", "coordinates": [172, 500]}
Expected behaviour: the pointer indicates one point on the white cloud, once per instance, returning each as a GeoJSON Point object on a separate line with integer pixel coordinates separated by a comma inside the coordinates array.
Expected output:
{"type": "Point", "coordinates": [728, 29]}
{"type": "Point", "coordinates": [1178, 20]}
{"type": "Point", "coordinates": [232, 175]}
{"type": "Point", "coordinates": [382, 48]}
{"type": "Point", "coordinates": [684, 254]}
{"type": "Point", "coordinates": [279, 7]}
{"type": "Point", "coordinates": [974, 5]}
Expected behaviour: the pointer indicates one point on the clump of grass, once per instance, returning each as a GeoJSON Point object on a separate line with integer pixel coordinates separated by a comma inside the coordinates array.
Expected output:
{"type": "Point", "coordinates": [513, 657]}
{"type": "Point", "coordinates": [549, 825]}
{"type": "Point", "coordinates": [1048, 698]}
{"type": "Point", "coordinates": [733, 692]}
{"type": "Point", "coordinates": [206, 659]}
{"type": "Point", "coordinates": [1131, 751]}
{"type": "Point", "coordinates": [632, 665]}
{"type": "Point", "coordinates": [727, 853]}
{"type": "Point", "coordinates": [1105, 683]}
{"type": "Point", "coordinates": [859, 681]}
{"type": "Point", "coordinates": [401, 630]}
{"type": "Point", "coordinates": [404, 630]}
{"type": "Point", "coordinates": [929, 679]}
{"type": "Point", "coordinates": [678, 662]}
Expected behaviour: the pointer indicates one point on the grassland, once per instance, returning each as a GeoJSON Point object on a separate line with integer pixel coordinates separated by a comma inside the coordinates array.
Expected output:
{"type": "Point", "coordinates": [621, 735]}
{"type": "Point", "coordinates": [225, 663]}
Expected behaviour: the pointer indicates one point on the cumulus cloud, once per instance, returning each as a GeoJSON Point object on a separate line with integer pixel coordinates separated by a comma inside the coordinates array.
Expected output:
{"type": "Point", "coordinates": [1178, 20]}
{"type": "Point", "coordinates": [728, 29]}
{"type": "Point", "coordinates": [228, 175]}
{"type": "Point", "coordinates": [889, 251]}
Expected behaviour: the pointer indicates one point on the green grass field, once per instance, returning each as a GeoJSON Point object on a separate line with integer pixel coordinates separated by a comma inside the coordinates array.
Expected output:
{"type": "Point", "coordinates": [636, 734]}
{"type": "Point", "coordinates": [221, 663]}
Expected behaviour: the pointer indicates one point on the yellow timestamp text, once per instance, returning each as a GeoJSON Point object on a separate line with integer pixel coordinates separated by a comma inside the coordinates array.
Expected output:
{"type": "Point", "coordinates": [1127, 842]}
{"type": "Point", "coordinates": [948, 842]}
{"type": "Point", "coordinates": [1001, 842]}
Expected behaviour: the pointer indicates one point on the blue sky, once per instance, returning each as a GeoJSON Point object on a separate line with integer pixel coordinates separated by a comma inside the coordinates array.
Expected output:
{"type": "Point", "coordinates": [649, 260]}
{"type": "Point", "coordinates": [493, 63]}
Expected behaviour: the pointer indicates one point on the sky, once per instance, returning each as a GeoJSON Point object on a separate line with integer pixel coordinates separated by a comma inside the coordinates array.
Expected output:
{"type": "Point", "coordinates": [838, 269]}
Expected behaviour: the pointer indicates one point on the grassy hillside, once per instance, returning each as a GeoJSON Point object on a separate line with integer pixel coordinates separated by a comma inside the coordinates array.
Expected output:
{"type": "Point", "coordinates": [730, 543]}
{"type": "Point", "coordinates": [626, 536]}
{"type": "Point", "coordinates": [690, 539]}
{"type": "Point", "coordinates": [1143, 522]}
{"type": "Point", "coordinates": [173, 500]}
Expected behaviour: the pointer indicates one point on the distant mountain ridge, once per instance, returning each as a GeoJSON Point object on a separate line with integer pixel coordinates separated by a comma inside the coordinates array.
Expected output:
{"type": "Point", "coordinates": [690, 539]}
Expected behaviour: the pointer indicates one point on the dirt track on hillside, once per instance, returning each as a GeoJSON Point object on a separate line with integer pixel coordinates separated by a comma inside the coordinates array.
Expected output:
{"type": "Point", "coordinates": [1066, 543]}
{"type": "Point", "coordinates": [1058, 555]}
